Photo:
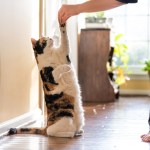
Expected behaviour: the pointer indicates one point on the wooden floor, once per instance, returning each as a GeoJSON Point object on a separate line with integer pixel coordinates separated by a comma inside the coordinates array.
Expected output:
{"type": "Point", "coordinates": [111, 126]}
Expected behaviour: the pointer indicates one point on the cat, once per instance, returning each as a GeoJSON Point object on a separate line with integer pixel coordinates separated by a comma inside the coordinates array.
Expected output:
{"type": "Point", "coordinates": [65, 113]}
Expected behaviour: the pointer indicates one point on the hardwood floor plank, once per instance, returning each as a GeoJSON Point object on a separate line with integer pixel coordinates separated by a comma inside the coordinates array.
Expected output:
{"type": "Point", "coordinates": [109, 126]}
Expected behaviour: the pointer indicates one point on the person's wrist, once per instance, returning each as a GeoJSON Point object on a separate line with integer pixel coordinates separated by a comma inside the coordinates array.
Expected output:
{"type": "Point", "coordinates": [78, 9]}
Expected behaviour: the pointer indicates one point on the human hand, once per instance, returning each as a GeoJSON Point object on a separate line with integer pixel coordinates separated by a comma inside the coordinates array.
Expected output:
{"type": "Point", "coordinates": [65, 12]}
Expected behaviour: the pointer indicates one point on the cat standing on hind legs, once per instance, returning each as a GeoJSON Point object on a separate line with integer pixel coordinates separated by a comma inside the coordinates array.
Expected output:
{"type": "Point", "coordinates": [65, 115]}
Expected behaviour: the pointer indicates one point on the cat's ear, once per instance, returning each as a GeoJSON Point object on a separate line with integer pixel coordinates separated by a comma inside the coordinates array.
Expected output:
{"type": "Point", "coordinates": [33, 41]}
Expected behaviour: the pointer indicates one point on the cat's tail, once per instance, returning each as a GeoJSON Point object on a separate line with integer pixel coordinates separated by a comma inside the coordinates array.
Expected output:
{"type": "Point", "coordinates": [2, 136]}
{"type": "Point", "coordinates": [12, 131]}
{"type": "Point", "coordinates": [41, 131]}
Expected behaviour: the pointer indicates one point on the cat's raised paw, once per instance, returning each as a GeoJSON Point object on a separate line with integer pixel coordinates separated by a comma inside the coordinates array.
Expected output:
{"type": "Point", "coordinates": [63, 25]}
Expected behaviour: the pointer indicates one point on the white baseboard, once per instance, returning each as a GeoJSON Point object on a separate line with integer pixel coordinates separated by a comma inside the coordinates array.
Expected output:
{"type": "Point", "coordinates": [135, 92]}
{"type": "Point", "coordinates": [21, 120]}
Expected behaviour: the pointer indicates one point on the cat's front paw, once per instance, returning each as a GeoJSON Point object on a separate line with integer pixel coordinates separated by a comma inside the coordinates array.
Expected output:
{"type": "Point", "coordinates": [63, 25]}
{"type": "Point", "coordinates": [63, 28]}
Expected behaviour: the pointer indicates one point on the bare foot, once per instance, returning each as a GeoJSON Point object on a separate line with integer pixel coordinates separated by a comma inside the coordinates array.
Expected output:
{"type": "Point", "coordinates": [146, 137]}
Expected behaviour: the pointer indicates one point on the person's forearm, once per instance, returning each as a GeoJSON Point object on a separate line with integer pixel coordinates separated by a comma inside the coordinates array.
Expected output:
{"type": "Point", "coordinates": [97, 5]}
{"type": "Point", "coordinates": [66, 11]}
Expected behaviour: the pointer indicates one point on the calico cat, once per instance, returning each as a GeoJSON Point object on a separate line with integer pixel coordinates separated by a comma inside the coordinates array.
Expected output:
{"type": "Point", "coordinates": [65, 114]}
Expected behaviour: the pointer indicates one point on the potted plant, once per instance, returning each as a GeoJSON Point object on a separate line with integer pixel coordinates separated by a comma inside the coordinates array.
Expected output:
{"type": "Point", "coordinates": [117, 65]}
{"type": "Point", "coordinates": [97, 19]}
{"type": "Point", "coordinates": [147, 67]}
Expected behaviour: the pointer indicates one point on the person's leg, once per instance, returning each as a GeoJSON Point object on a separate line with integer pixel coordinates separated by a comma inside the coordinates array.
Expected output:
{"type": "Point", "coordinates": [146, 137]}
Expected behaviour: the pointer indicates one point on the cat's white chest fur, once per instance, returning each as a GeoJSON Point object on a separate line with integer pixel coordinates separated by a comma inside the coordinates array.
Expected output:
{"type": "Point", "coordinates": [51, 57]}
{"type": "Point", "coordinates": [67, 81]}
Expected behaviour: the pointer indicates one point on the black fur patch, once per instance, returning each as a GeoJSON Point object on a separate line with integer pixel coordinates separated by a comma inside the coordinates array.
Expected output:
{"type": "Point", "coordinates": [57, 106]}
{"type": "Point", "coordinates": [39, 47]}
{"type": "Point", "coordinates": [64, 114]}
{"type": "Point", "coordinates": [47, 76]}
{"type": "Point", "coordinates": [54, 107]}
{"type": "Point", "coordinates": [25, 130]}
{"type": "Point", "coordinates": [61, 114]}
{"type": "Point", "coordinates": [68, 58]}
{"type": "Point", "coordinates": [67, 106]}
{"type": "Point", "coordinates": [63, 25]}
{"type": "Point", "coordinates": [12, 131]}
{"type": "Point", "coordinates": [51, 98]}
{"type": "Point", "coordinates": [47, 88]}
{"type": "Point", "coordinates": [37, 131]}
{"type": "Point", "coordinates": [52, 117]}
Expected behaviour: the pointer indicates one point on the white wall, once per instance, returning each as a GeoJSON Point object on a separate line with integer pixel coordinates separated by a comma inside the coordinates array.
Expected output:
{"type": "Point", "coordinates": [19, 21]}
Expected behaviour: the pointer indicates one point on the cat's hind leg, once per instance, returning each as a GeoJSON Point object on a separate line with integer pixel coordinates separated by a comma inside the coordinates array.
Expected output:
{"type": "Point", "coordinates": [65, 127]}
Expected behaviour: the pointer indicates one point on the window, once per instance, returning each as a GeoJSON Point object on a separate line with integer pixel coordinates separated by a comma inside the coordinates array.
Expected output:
{"type": "Point", "coordinates": [133, 20]}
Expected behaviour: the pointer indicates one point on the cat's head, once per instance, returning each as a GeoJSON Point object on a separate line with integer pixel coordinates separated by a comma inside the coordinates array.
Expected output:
{"type": "Point", "coordinates": [40, 45]}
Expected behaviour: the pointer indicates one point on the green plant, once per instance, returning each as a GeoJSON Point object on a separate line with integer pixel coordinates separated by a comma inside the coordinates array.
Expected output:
{"type": "Point", "coordinates": [100, 14]}
{"type": "Point", "coordinates": [146, 66]}
{"type": "Point", "coordinates": [120, 61]}
{"type": "Point", "coordinates": [120, 51]}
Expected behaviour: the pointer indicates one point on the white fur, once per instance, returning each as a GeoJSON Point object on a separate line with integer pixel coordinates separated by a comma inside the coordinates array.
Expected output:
{"type": "Point", "coordinates": [65, 76]}
{"type": "Point", "coordinates": [65, 127]}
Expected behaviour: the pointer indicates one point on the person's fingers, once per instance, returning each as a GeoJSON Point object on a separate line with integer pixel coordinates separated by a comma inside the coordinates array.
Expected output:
{"type": "Point", "coordinates": [64, 14]}
{"type": "Point", "coordinates": [61, 13]}
{"type": "Point", "coordinates": [145, 138]}
{"type": "Point", "coordinates": [142, 135]}
{"type": "Point", "coordinates": [60, 19]}
{"type": "Point", "coordinates": [64, 19]}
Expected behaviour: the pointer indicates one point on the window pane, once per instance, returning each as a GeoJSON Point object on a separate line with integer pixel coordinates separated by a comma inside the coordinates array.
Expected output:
{"type": "Point", "coordinates": [138, 51]}
{"type": "Point", "coordinates": [119, 24]}
{"type": "Point", "coordinates": [137, 28]}
{"type": "Point", "coordinates": [140, 8]}
{"type": "Point", "coordinates": [133, 20]}
{"type": "Point", "coordinates": [119, 11]}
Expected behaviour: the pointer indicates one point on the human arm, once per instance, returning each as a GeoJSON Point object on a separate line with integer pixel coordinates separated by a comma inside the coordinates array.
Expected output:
{"type": "Point", "coordinates": [66, 11]}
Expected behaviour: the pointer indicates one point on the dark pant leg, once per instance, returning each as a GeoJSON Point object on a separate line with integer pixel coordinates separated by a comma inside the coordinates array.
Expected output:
{"type": "Point", "coordinates": [149, 120]}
